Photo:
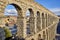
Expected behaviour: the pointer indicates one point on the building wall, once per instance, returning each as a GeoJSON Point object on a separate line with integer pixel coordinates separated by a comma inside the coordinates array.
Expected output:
{"type": "Point", "coordinates": [44, 28]}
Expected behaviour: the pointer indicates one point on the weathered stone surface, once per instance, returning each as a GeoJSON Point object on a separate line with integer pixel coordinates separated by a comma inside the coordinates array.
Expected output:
{"type": "Point", "coordinates": [45, 21]}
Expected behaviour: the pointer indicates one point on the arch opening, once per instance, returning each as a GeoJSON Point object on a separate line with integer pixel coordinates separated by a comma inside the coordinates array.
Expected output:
{"type": "Point", "coordinates": [38, 21]}
{"type": "Point", "coordinates": [44, 35]}
{"type": "Point", "coordinates": [39, 36]}
{"type": "Point", "coordinates": [14, 18]}
{"type": "Point", "coordinates": [46, 19]}
{"type": "Point", "coordinates": [43, 21]}
{"type": "Point", "coordinates": [32, 39]}
{"type": "Point", "coordinates": [30, 22]}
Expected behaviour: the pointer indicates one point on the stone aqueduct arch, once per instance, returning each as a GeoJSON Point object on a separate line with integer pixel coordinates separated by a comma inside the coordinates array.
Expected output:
{"type": "Point", "coordinates": [40, 15]}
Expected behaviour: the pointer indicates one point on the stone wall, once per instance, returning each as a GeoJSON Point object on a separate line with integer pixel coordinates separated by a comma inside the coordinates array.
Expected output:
{"type": "Point", "coordinates": [42, 26]}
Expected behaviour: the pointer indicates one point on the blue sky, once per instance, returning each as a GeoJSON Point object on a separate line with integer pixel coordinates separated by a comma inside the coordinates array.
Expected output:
{"type": "Point", "coordinates": [10, 10]}
{"type": "Point", "coordinates": [49, 3]}
{"type": "Point", "coordinates": [52, 5]}
{"type": "Point", "coordinates": [10, 7]}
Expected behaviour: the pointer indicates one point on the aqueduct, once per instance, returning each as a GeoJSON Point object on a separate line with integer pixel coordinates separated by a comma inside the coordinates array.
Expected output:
{"type": "Point", "coordinates": [42, 22]}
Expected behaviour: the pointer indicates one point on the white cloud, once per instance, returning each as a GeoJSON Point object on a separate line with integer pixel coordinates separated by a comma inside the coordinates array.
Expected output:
{"type": "Point", "coordinates": [14, 12]}
{"type": "Point", "coordinates": [55, 10]}
{"type": "Point", "coordinates": [27, 13]}
{"type": "Point", "coordinates": [7, 10]}
{"type": "Point", "coordinates": [10, 12]}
